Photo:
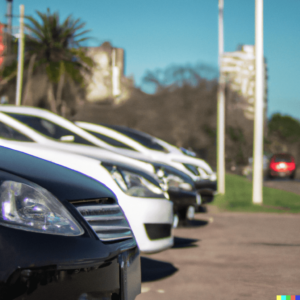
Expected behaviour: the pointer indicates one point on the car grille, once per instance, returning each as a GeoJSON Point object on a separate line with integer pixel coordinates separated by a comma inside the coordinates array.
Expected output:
{"type": "Point", "coordinates": [107, 220]}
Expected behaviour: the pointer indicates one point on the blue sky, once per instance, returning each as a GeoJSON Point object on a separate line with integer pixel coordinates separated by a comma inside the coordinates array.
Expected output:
{"type": "Point", "coordinates": [158, 33]}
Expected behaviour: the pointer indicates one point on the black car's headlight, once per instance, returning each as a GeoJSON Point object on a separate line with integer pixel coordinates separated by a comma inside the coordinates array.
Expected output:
{"type": "Point", "coordinates": [173, 181]}
{"type": "Point", "coordinates": [135, 184]}
{"type": "Point", "coordinates": [32, 208]}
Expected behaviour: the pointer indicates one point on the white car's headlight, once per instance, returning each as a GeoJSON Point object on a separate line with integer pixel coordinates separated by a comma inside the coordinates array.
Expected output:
{"type": "Point", "coordinates": [172, 181]}
{"type": "Point", "coordinates": [32, 208]}
{"type": "Point", "coordinates": [176, 183]}
{"type": "Point", "coordinates": [136, 185]}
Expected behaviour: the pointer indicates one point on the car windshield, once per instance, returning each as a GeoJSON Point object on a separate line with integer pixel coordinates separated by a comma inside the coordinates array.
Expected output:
{"type": "Point", "coordinates": [110, 140]}
{"type": "Point", "coordinates": [9, 133]}
{"type": "Point", "coordinates": [283, 158]}
{"type": "Point", "coordinates": [140, 137]}
{"type": "Point", "coordinates": [50, 129]}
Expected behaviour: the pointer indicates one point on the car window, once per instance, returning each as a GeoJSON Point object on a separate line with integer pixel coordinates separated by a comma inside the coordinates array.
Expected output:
{"type": "Point", "coordinates": [49, 128]}
{"type": "Point", "coordinates": [139, 137]}
{"type": "Point", "coordinates": [110, 140]}
{"type": "Point", "coordinates": [282, 158]}
{"type": "Point", "coordinates": [9, 133]}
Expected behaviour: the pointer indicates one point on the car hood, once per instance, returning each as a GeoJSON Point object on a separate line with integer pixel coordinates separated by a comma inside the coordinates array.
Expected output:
{"type": "Point", "coordinates": [64, 183]}
{"type": "Point", "coordinates": [88, 166]}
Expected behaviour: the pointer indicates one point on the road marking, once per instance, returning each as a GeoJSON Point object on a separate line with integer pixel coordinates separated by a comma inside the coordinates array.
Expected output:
{"type": "Point", "coordinates": [145, 289]}
{"type": "Point", "coordinates": [160, 291]}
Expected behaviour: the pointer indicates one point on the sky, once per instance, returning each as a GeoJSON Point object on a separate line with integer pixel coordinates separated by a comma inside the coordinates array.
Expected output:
{"type": "Point", "coordinates": [158, 33]}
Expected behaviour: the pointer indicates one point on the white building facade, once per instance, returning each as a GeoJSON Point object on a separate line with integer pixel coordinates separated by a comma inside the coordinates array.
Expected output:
{"type": "Point", "coordinates": [238, 69]}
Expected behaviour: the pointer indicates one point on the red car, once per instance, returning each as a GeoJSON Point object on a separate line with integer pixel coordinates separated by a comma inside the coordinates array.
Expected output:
{"type": "Point", "coordinates": [282, 165]}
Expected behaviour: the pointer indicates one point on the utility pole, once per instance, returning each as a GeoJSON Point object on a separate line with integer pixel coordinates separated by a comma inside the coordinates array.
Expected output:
{"type": "Point", "coordinates": [257, 194]}
{"type": "Point", "coordinates": [20, 57]}
{"type": "Point", "coordinates": [9, 26]}
{"type": "Point", "coordinates": [221, 109]}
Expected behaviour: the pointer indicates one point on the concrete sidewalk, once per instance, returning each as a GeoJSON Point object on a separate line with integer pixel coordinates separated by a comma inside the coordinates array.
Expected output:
{"type": "Point", "coordinates": [228, 256]}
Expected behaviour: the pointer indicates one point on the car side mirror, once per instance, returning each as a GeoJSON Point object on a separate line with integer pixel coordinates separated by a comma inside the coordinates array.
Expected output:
{"type": "Point", "coordinates": [67, 138]}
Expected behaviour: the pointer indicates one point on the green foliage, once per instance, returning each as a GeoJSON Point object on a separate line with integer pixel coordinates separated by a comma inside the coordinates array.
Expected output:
{"type": "Point", "coordinates": [238, 197]}
{"type": "Point", "coordinates": [56, 45]}
{"type": "Point", "coordinates": [285, 127]}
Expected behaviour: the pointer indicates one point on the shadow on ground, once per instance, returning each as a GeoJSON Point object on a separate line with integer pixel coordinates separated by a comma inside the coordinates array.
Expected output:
{"type": "Point", "coordinates": [153, 269]}
{"type": "Point", "coordinates": [184, 243]}
{"type": "Point", "coordinates": [193, 223]}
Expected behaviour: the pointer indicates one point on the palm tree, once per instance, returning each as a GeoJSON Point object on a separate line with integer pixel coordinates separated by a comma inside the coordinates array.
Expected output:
{"type": "Point", "coordinates": [55, 47]}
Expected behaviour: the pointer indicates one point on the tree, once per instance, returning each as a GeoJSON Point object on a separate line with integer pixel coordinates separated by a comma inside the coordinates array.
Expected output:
{"type": "Point", "coordinates": [55, 48]}
{"type": "Point", "coordinates": [284, 127]}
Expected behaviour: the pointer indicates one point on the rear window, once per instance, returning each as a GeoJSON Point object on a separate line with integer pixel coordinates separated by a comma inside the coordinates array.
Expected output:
{"type": "Point", "coordinates": [283, 158]}
{"type": "Point", "coordinates": [48, 128]}
{"type": "Point", "coordinates": [139, 137]}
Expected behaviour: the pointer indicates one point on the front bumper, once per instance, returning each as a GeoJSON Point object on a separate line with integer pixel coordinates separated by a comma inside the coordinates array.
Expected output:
{"type": "Point", "coordinates": [182, 199]}
{"type": "Point", "coordinates": [145, 213]}
{"type": "Point", "coordinates": [207, 189]}
{"type": "Point", "coordinates": [38, 266]}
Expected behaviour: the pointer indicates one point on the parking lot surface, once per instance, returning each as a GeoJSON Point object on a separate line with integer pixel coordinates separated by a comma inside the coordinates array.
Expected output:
{"type": "Point", "coordinates": [227, 256]}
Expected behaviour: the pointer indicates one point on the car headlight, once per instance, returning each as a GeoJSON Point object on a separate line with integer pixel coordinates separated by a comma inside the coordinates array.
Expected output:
{"type": "Point", "coordinates": [173, 181]}
{"type": "Point", "coordinates": [176, 183]}
{"type": "Point", "coordinates": [32, 208]}
{"type": "Point", "coordinates": [136, 185]}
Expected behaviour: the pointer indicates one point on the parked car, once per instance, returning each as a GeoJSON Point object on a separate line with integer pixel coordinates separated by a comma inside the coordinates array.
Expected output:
{"type": "Point", "coordinates": [130, 140]}
{"type": "Point", "coordinates": [55, 241]}
{"type": "Point", "coordinates": [282, 165]}
{"type": "Point", "coordinates": [143, 201]}
{"type": "Point", "coordinates": [54, 131]}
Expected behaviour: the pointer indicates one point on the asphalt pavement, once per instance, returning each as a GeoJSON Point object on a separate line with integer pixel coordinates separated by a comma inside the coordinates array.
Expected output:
{"type": "Point", "coordinates": [224, 255]}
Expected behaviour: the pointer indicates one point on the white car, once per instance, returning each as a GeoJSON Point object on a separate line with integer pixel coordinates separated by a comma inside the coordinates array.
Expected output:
{"type": "Point", "coordinates": [149, 213]}
{"type": "Point", "coordinates": [129, 140]}
{"type": "Point", "coordinates": [81, 145]}
{"type": "Point", "coordinates": [58, 128]}
{"type": "Point", "coordinates": [47, 128]}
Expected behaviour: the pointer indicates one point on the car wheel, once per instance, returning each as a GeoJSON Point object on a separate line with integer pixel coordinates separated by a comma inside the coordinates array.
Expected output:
{"type": "Point", "coordinates": [175, 220]}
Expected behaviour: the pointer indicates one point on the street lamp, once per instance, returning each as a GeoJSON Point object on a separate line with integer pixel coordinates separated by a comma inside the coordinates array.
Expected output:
{"type": "Point", "coordinates": [221, 109]}
{"type": "Point", "coordinates": [257, 194]}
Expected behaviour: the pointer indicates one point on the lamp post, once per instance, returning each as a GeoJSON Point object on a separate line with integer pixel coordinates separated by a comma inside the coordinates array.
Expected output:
{"type": "Point", "coordinates": [20, 57]}
{"type": "Point", "coordinates": [221, 110]}
{"type": "Point", "coordinates": [9, 26]}
{"type": "Point", "coordinates": [257, 194]}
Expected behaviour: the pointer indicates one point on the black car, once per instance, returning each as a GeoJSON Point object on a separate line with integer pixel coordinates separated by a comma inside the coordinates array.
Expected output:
{"type": "Point", "coordinates": [62, 235]}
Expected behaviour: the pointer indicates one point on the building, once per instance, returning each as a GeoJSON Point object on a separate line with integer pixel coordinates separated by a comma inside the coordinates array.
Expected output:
{"type": "Point", "coordinates": [238, 69]}
{"type": "Point", "coordinates": [108, 80]}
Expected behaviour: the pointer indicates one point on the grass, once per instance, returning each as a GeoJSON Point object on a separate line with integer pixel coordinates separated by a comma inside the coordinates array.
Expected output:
{"type": "Point", "coordinates": [238, 197]}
